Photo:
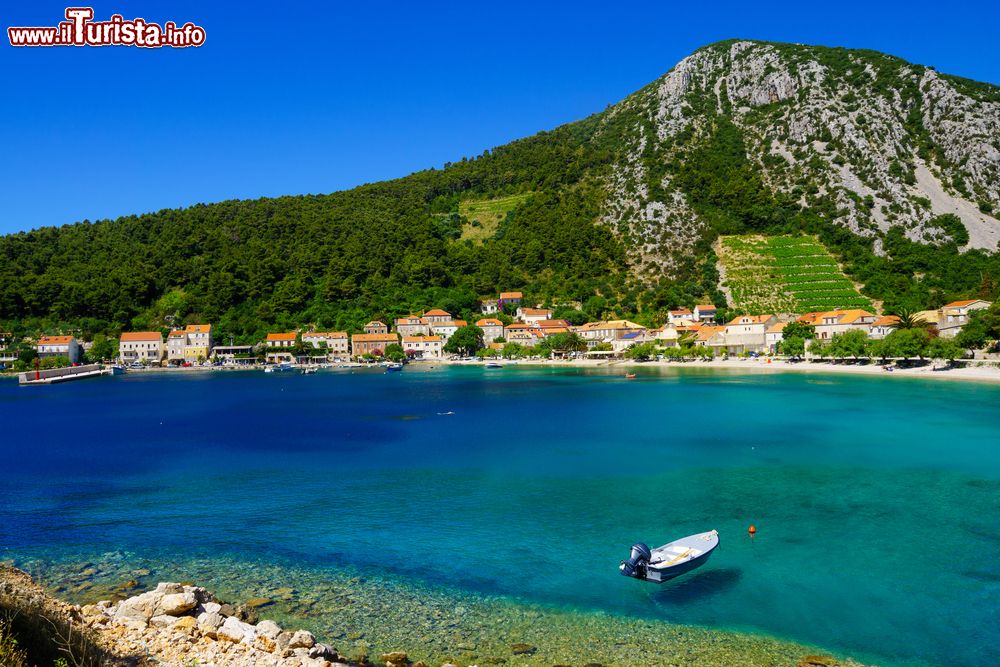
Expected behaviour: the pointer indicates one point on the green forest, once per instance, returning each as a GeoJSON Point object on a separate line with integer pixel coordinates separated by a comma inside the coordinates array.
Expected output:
{"type": "Point", "coordinates": [387, 249]}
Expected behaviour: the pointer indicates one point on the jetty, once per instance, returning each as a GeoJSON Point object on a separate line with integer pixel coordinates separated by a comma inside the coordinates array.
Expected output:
{"type": "Point", "coordinates": [53, 375]}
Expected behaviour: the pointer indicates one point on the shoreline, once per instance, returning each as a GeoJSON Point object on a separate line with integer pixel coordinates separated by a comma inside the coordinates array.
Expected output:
{"type": "Point", "coordinates": [990, 372]}
{"type": "Point", "coordinates": [438, 629]}
{"type": "Point", "coordinates": [979, 370]}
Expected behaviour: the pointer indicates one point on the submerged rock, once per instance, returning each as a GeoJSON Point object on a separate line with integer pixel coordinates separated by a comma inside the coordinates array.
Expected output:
{"type": "Point", "coordinates": [522, 649]}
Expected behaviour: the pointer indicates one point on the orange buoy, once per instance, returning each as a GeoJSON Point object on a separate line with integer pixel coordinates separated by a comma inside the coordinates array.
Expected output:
{"type": "Point", "coordinates": [752, 530]}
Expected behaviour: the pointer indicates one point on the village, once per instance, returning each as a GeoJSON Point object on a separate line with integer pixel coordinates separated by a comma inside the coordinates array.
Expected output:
{"type": "Point", "coordinates": [530, 331]}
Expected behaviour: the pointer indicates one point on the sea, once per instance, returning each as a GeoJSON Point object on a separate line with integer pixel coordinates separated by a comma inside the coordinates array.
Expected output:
{"type": "Point", "coordinates": [456, 511]}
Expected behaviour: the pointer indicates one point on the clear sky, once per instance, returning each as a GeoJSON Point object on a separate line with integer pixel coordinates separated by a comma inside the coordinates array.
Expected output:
{"type": "Point", "coordinates": [312, 97]}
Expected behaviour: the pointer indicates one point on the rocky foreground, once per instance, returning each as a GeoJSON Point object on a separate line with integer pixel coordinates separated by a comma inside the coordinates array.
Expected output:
{"type": "Point", "coordinates": [183, 625]}
{"type": "Point", "coordinates": [177, 624]}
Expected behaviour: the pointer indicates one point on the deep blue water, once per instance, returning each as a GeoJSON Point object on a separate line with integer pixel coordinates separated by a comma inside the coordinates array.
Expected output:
{"type": "Point", "coordinates": [877, 500]}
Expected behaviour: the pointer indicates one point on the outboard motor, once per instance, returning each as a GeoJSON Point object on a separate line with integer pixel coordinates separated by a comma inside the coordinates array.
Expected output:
{"type": "Point", "coordinates": [635, 566]}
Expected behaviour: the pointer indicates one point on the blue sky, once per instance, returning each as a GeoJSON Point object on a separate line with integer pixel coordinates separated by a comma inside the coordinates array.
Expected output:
{"type": "Point", "coordinates": [334, 94]}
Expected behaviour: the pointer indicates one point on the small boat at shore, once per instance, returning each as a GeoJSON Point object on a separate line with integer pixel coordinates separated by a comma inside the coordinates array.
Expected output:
{"type": "Point", "coordinates": [390, 368]}
{"type": "Point", "coordinates": [283, 367]}
{"type": "Point", "coordinates": [630, 376]}
{"type": "Point", "coordinates": [309, 371]}
{"type": "Point", "coordinates": [494, 364]}
{"type": "Point", "coordinates": [671, 560]}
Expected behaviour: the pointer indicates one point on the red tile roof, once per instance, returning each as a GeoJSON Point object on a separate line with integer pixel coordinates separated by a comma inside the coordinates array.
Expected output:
{"type": "Point", "coordinates": [55, 340]}
{"type": "Point", "coordinates": [135, 336]}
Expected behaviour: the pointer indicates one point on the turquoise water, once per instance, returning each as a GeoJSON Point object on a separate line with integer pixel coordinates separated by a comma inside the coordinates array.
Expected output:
{"type": "Point", "coordinates": [877, 500]}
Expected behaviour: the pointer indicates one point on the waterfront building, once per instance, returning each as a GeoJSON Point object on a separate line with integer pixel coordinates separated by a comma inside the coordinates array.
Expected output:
{"type": "Point", "coordinates": [955, 315]}
{"type": "Point", "coordinates": [773, 336]}
{"type": "Point", "coordinates": [198, 346]}
{"type": "Point", "coordinates": [423, 347]}
{"type": "Point", "coordinates": [883, 326]}
{"type": "Point", "coordinates": [372, 343]}
{"type": "Point", "coordinates": [140, 346]}
{"type": "Point", "coordinates": [839, 321]}
{"type": "Point", "coordinates": [336, 342]}
{"type": "Point", "coordinates": [748, 333]}
{"type": "Point", "coordinates": [59, 346]}
{"type": "Point", "coordinates": [279, 347]}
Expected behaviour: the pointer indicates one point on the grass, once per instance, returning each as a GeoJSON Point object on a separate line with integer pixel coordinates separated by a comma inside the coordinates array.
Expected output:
{"type": "Point", "coordinates": [785, 274]}
{"type": "Point", "coordinates": [485, 215]}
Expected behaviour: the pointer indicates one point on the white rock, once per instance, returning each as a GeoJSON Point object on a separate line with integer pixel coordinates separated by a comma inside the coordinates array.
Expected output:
{"type": "Point", "coordinates": [269, 629]}
{"type": "Point", "coordinates": [211, 607]}
{"type": "Point", "coordinates": [210, 620]}
{"type": "Point", "coordinates": [175, 604]}
{"type": "Point", "coordinates": [162, 621]}
{"type": "Point", "coordinates": [302, 639]}
{"type": "Point", "coordinates": [237, 631]}
{"type": "Point", "coordinates": [142, 607]}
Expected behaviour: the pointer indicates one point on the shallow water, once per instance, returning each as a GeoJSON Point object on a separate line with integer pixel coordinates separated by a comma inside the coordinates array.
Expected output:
{"type": "Point", "coordinates": [877, 500]}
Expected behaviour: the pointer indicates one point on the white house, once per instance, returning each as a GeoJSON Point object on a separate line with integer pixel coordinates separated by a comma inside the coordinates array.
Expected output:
{"type": "Point", "coordinates": [59, 346]}
{"type": "Point", "coordinates": [681, 316]}
{"type": "Point", "coordinates": [748, 333]}
{"type": "Point", "coordinates": [840, 321]}
{"type": "Point", "coordinates": [773, 336]}
{"type": "Point", "coordinates": [423, 347]}
{"type": "Point", "coordinates": [533, 315]}
{"type": "Point", "coordinates": [140, 346]}
{"type": "Point", "coordinates": [955, 315]}
{"type": "Point", "coordinates": [705, 312]}
{"type": "Point", "coordinates": [446, 329]}
{"type": "Point", "coordinates": [882, 327]}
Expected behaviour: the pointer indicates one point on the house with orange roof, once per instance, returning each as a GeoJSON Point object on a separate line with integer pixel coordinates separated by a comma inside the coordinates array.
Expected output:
{"type": "Point", "coordinates": [882, 327]}
{"type": "Point", "coordinates": [607, 332]}
{"type": "Point", "coordinates": [522, 335]}
{"type": "Point", "coordinates": [423, 347]}
{"type": "Point", "coordinates": [279, 347]}
{"type": "Point", "coordinates": [372, 343]}
{"type": "Point", "coordinates": [437, 316]}
{"type": "Point", "coordinates": [533, 315]}
{"type": "Point", "coordinates": [509, 298]}
{"type": "Point", "coordinates": [412, 325]}
{"type": "Point", "coordinates": [492, 328]}
{"type": "Point", "coordinates": [748, 333]}
{"type": "Point", "coordinates": [773, 336]}
{"type": "Point", "coordinates": [59, 346]}
{"type": "Point", "coordinates": [955, 315]}
{"type": "Point", "coordinates": [704, 312]}
{"type": "Point", "coordinates": [192, 344]}
{"type": "Point", "coordinates": [840, 321]}
{"type": "Point", "coordinates": [335, 342]}
{"type": "Point", "coordinates": [711, 336]}
{"type": "Point", "coordinates": [140, 347]}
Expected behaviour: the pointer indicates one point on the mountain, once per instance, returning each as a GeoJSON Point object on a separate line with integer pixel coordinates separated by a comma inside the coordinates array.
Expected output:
{"type": "Point", "coordinates": [895, 167]}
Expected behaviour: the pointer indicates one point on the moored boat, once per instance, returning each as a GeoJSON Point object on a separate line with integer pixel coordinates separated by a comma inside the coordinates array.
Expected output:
{"type": "Point", "coordinates": [494, 364]}
{"type": "Point", "coordinates": [393, 367]}
{"type": "Point", "coordinates": [283, 367]}
{"type": "Point", "coordinates": [671, 560]}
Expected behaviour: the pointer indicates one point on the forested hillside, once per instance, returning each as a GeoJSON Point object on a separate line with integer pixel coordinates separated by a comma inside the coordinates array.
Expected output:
{"type": "Point", "coordinates": [891, 165]}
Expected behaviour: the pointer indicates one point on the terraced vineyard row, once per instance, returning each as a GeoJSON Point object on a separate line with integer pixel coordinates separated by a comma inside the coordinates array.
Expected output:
{"type": "Point", "coordinates": [783, 274]}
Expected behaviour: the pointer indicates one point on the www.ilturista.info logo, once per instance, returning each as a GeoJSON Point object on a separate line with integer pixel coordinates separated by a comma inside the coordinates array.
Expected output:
{"type": "Point", "coordinates": [79, 29]}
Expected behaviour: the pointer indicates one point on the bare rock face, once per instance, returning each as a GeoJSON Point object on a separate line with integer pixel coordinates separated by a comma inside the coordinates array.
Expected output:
{"type": "Point", "coordinates": [878, 142]}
